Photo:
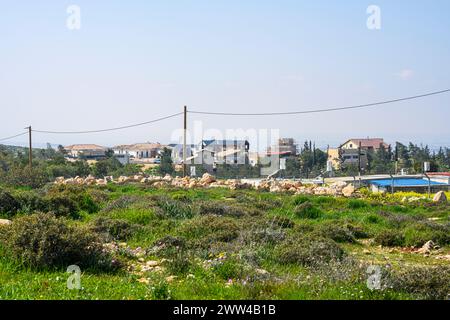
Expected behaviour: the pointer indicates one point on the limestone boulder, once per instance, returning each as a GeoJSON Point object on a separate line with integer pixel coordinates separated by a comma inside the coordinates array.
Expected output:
{"type": "Point", "coordinates": [348, 191]}
{"type": "Point", "coordinates": [440, 197]}
{"type": "Point", "coordinates": [207, 179]}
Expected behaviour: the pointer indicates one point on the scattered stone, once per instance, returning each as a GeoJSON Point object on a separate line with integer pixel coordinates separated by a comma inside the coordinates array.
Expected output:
{"type": "Point", "coordinates": [144, 280]}
{"type": "Point", "coordinates": [207, 179]}
{"type": "Point", "coordinates": [152, 263]}
{"type": "Point", "coordinates": [262, 272]}
{"type": "Point", "coordinates": [5, 222]}
{"type": "Point", "coordinates": [427, 248]}
{"type": "Point", "coordinates": [171, 278]}
{"type": "Point", "coordinates": [348, 191]}
{"type": "Point", "coordinates": [440, 197]}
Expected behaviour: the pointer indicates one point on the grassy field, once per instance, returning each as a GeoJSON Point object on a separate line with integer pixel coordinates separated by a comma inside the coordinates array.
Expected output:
{"type": "Point", "coordinates": [219, 244]}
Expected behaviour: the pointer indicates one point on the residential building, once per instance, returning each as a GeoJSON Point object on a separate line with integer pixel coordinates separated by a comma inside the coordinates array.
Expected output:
{"type": "Point", "coordinates": [177, 152]}
{"type": "Point", "coordinates": [369, 144]}
{"type": "Point", "coordinates": [354, 151]}
{"type": "Point", "coordinates": [227, 151]}
{"type": "Point", "coordinates": [85, 151]}
{"type": "Point", "coordinates": [139, 151]}
{"type": "Point", "coordinates": [286, 147]}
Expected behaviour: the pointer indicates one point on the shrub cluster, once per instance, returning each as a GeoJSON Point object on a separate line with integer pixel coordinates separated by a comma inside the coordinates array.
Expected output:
{"type": "Point", "coordinates": [44, 241]}
{"type": "Point", "coordinates": [8, 204]}
{"type": "Point", "coordinates": [307, 210]}
{"type": "Point", "coordinates": [114, 229]}
{"type": "Point", "coordinates": [309, 250]}
{"type": "Point", "coordinates": [202, 231]}
{"type": "Point", "coordinates": [424, 282]}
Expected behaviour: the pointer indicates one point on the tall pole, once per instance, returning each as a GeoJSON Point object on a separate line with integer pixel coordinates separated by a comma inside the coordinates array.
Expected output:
{"type": "Point", "coordinates": [184, 141]}
{"type": "Point", "coordinates": [30, 156]}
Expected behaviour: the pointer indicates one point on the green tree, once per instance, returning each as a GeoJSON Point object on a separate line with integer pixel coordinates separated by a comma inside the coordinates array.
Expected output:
{"type": "Point", "coordinates": [166, 166]}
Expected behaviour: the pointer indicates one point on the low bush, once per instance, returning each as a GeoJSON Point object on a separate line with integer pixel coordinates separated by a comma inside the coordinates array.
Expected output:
{"type": "Point", "coordinates": [30, 201]}
{"type": "Point", "coordinates": [357, 204]}
{"type": "Point", "coordinates": [178, 263]}
{"type": "Point", "coordinates": [424, 282]}
{"type": "Point", "coordinates": [68, 200]}
{"type": "Point", "coordinates": [309, 250]}
{"type": "Point", "coordinates": [9, 206]}
{"type": "Point", "coordinates": [44, 241]}
{"type": "Point", "coordinates": [230, 268]}
{"type": "Point", "coordinates": [168, 246]}
{"type": "Point", "coordinates": [390, 238]}
{"type": "Point", "coordinates": [123, 202]}
{"type": "Point", "coordinates": [335, 231]}
{"type": "Point", "coordinates": [417, 235]}
{"type": "Point", "coordinates": [174, 209]}
{"type": "Point", "coordinates": [220, 209]}
{"type": "Point", "coordinates": [282, 222]}
{"type": "Point", "coordinates": [298, 200]}
{"type": "Point", "coordinates": [204, 230]}
{"type": "Point", "coordinates": [113, 229]}
{"type": "Point", "coordinates": [307, 210]}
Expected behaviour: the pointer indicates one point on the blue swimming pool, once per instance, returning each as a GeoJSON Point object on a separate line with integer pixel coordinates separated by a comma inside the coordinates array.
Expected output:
{"type": "Point", "coordinates": [402, 182]}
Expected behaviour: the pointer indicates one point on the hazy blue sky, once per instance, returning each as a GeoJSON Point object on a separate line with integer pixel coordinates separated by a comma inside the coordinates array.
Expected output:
{"type": "Point", "coordinates": [137, 60]}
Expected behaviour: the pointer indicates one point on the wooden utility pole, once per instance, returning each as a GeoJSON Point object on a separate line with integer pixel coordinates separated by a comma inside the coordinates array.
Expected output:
{"type": "Point", "coordinates": [184, 141]}
{"type": "Point", "coordinates": [30, 156]}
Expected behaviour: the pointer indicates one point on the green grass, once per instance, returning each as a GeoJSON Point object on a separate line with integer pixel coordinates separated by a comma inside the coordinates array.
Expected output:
{"type": "Point", "coordinates": [219, 254]}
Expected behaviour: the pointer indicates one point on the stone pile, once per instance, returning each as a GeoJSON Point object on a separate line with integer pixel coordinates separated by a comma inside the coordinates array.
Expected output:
{"type": "Point", "coordinates": [209, 181]}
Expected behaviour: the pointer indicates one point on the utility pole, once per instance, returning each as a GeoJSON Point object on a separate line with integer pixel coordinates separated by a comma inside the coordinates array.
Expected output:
{"type": "Point", "coordinates": [30, 156]}
{"type": "Point", "coordinates": [184, 141]}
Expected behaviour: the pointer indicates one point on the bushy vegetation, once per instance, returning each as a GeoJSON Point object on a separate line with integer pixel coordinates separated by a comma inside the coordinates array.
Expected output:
{"type": "Point", "coordinates": [43, 241]}
{"type": "Point", "coordinates": [217, 243]}
{"type": "Point", "coordinates": [309, 251]}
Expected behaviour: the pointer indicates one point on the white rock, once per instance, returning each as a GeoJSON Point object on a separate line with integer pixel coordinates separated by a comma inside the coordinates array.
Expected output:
{"type": "Point", "coordinates": [440, 197]}
{"type": "Point", "coordinates": [5, 222]}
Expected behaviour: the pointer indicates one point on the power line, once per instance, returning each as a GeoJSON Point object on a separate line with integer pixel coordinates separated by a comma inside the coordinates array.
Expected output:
{"type": "Point", "coordinates": [110, 129]}
{"type": "Point", "coordinates": [324, 109]}
{"type": "Point", "coordinates": [14, 136]}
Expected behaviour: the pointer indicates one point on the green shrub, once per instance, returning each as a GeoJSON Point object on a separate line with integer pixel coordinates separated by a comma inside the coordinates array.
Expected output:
{"type": "Point", "coordinates": [356, 204]}
{"type": "Point", "coordinates": [424, 282]}
{"type": "Point", "coordinates": [281, 222]}
{"type": "Point", "coordinates": [417, 235]}
{"type": "Point", "coordinates": [173, 208]}
{"type": "Point", "coordinates": [298, 200]}
{"type": "Point", "coordinates": [61, 206]}
{"type": "Point", "coordinates": [204, 230]}
{"type": "Point", "coordinates": [123, 202]}
{"type": "Point", "coordinates": [178, 263]}
{"type": "Point", "coordinates": [115, 229]}
{"type": "Point", "coordinates": [8, 204]}
{"type": "Point", "coordinates": [390, 238]}
{"type": "Point", "coordinates": [373, 219]}
{"type": "Point", "coordinates": [333, 230]}
{"type": "Point", "coordinates": [30, 201]}
{"type": "Point", "coordinates": [309, 250]}
{"type": "Point", "coordinates": [68, 200]}
{"type": "Point", "coordinates": [168, 246]}
{"type": "Point", "coordinates": [160, 291]}
{"type": "Point", "coordinates": [230, 268]}
{"type": "Point", "coordinates": [307, 210]}
{"type": "Point", "coordinates": [221, 209]}
{"type": "Point", "coordinates": [44, 241]}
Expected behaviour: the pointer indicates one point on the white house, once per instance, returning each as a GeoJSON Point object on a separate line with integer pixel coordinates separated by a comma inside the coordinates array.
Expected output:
{"type": "Point", "coordinates": [85, 151]}
{"type": "Point", "coordinates": [139, 150]}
